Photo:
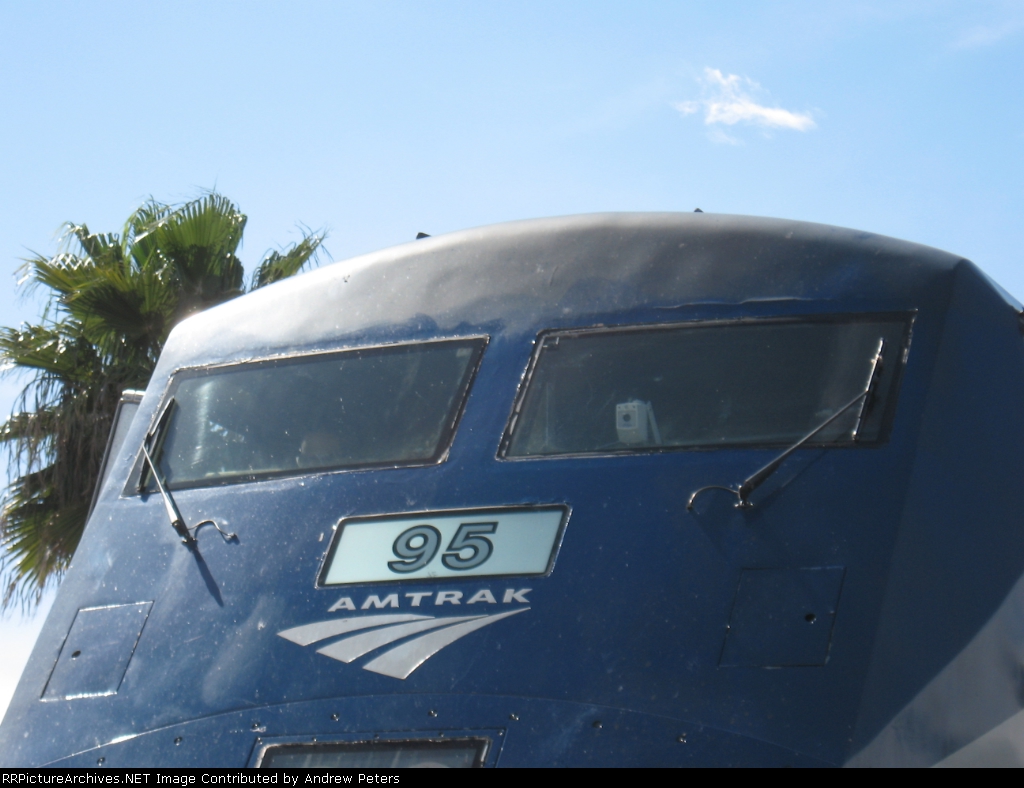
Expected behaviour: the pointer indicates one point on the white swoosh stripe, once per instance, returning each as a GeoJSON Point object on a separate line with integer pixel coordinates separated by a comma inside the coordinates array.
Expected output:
{"type": "Point", "coordinates": [311, 633]}
{"type": "Point", "coordinates": [402, 660]}
{"type": "Point", "coordinates": [353, 647]}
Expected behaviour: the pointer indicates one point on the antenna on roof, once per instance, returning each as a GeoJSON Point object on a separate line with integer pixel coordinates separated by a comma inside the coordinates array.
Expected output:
{"type": "Point", "coordinates": [421, 235]}
{"type": "Point", "coordinates": [697, 210]}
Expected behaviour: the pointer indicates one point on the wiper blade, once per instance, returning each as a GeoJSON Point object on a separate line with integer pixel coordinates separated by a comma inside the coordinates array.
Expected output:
{"type": "Point", "coordinates": [758, 477]}
{"type": "Point", "coordinates": [869, 390]}
{"type": "Point", "coordinates": [173, 514]}
{"type": "Point", "coordinates": [151, 444]}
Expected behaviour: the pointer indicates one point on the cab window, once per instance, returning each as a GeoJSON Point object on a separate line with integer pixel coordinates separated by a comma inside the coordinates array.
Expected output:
{"type": "Point", "coordinates": [384, 406]}
{"type": "Point", "coordinates": [704, 385]}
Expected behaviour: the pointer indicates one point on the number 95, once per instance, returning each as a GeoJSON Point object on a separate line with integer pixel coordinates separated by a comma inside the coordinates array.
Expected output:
{"type": "Point", "coordinates": [417, 546]}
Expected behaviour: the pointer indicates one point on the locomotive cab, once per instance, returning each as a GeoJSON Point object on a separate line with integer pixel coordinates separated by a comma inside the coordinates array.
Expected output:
{"type": "Point", "coordinates": [611, 490]}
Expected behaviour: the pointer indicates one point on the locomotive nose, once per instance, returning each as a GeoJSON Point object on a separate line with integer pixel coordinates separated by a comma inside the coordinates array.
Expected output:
{"type": "Point", "coordinates": [597, 491]}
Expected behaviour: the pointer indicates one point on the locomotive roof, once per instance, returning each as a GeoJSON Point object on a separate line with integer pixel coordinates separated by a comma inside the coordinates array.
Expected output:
{"type": "Point", "coordinates": [519, 276]}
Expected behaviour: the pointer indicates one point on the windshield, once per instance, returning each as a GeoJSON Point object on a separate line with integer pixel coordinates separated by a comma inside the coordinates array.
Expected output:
{"type": "Point", "coordinates": [390, 405]}
{"type": "Point", "coordinates": [699, 385]}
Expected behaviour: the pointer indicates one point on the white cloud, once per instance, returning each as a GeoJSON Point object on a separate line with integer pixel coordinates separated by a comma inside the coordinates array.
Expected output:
{"type": "Point", "coordinates": [987, 35]}
{"type": "Point", "coordinates": [728, 100]}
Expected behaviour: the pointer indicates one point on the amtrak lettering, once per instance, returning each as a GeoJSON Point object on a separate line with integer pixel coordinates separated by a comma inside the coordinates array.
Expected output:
{"type": "Point", "coordinates": [418, 598]}
{"type": "Point", "coordinates": [422, 635]}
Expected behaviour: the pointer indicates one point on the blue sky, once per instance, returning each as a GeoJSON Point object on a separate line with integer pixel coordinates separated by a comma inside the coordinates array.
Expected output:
{"type": "Point", "coordinates": [379, 120]}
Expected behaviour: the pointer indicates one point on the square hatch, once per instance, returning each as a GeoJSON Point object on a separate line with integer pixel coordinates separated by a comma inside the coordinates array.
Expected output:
{"type": "Point", "coordinates": [782, 617]}
{"type": "Point", "coordinates": [97, 651]}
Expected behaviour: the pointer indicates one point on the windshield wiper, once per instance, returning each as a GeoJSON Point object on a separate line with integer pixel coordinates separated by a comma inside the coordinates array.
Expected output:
{"type": "Point", "coordinates": [177, 521]}
{"type": "Point", "coordinates": [758, 477]}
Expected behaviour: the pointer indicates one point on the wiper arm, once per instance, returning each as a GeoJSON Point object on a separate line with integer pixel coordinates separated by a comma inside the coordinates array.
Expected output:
{"type": "Point", "coordinates": [177, 521]}
{"type": "Point", "coordinates": [758, 477]}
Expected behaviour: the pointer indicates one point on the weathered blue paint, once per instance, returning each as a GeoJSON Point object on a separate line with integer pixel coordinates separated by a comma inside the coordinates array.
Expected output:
{"type": "Point", "coordinates": [619, 660]}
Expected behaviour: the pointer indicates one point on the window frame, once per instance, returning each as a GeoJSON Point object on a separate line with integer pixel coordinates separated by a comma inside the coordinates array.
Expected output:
{"type": "Point", "coordinates": [478, 343]}
{"type": "Point", "coordinates": [907, 317]}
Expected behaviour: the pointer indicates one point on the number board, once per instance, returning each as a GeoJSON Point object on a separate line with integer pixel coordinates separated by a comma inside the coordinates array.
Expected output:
{"type": "Point", "coordinates": [469, 543]}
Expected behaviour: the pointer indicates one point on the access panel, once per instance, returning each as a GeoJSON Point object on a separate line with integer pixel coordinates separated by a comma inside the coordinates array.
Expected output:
{"type": "Point", "coordinates": [96, 652]}
{"type": "Point", "coordinates": [782, 617]}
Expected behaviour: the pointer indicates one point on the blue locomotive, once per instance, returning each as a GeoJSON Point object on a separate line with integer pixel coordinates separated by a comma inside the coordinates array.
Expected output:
{"type": "Point", "coordinates": [610, 490]}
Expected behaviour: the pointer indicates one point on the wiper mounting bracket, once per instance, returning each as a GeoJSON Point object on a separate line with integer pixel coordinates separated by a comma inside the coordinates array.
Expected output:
{"type": "Point", "coordinates": [173, 514]}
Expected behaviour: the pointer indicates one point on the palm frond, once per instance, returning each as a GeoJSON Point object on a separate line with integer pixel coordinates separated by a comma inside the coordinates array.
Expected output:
{"type": "Point", "coordinates": [38, 539]}
{"type": "Point", "coordinates": [102, 249]}
{"type": "Point", "coordinates": [51, 350]}
{"type": "Point", "coordinates": [29, 426]}
{"type": "Point", "coordinates": [280, 265]}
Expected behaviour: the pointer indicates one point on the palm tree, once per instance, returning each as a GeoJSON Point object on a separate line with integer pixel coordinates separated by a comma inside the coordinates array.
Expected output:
{"type": "Point", "coordinates": [113, 300]}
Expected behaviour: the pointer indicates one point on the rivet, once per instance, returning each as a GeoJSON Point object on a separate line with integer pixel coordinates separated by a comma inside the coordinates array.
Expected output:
{"type": "Point", "coordinates": [809, 618]}
{"type": "Point", "coordinates": [597, 724]}
{"type": "Point", "coordinates": [431, 713]}
{"type": "Point", "coordinates": [256, 726]}
{"type": "Point", "coordinates": [514, 717]}
{"type": "Point", "coordinates": [681, 738]}
{"type": "Point", "coordinates": [99, 761]}
{"type": "Point", "coordinates": [334, 717]}
{"type": "Point", "coordinates": [177, 740]}
{"type": "Point", "coordinates": [76, 654]}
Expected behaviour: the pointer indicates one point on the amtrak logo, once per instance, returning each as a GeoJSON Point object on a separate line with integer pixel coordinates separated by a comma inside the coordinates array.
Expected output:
{"type": "Point", "coordinates": [374, 632]}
